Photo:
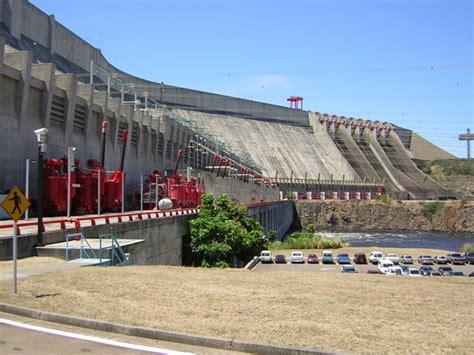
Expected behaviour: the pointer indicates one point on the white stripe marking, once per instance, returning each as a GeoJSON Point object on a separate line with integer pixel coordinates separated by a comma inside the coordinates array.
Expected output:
{"type": "Point", "coordinates": [91, 338]}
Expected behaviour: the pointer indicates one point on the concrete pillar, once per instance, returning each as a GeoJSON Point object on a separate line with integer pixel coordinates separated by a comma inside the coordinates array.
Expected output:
{"type": "Point", "coordinates": [45, 72]}
{"type": "Point", "coordinates": [21, 61]}
{"type": "Point", "coordinates": [87, 93]}
{"type": "Point", "coordinates": [68, 82]}
{"type": "Point", "coordinates": [2, 52]}
{"type": "Point", "coordinates": [51, 33]}
{"type": "Point", "coordinates": [11, 16]}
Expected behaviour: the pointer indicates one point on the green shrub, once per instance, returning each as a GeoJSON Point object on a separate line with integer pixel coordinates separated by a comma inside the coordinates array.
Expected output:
{"type": "Point", "coordinates": [431, 208]}
{"type": "Point", "coordinates": [384, 198]}
{"type": "Point", "coordinates": [307, 239]}
{"type": "Point", "coordinates": [223, 232]}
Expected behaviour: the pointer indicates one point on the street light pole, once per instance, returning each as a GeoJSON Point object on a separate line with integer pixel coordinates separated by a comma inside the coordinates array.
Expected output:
{"type": "Point", "coordinates": [70, 166]}
{"type": "Point", "coordinates": [41, 135]}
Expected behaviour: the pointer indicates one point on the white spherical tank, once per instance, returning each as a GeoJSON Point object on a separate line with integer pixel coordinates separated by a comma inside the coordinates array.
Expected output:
{"type": "Point", "coordinates": [165, 204]}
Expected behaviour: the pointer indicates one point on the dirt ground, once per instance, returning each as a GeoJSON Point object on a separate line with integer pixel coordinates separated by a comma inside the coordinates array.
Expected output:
{"type": "Point", "coordinates": [365, 313]}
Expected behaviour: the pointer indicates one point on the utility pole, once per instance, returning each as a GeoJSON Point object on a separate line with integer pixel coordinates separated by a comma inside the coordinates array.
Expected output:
{"type": "Point", "coordinates": [467, 137]}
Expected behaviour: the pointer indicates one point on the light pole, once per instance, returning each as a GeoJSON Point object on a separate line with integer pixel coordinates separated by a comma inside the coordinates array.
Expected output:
{"type": "Point", "coordinates": [27, 183]}
{"type": "Point", "coordinates": [41, 135]}
{"type": "Point", "coordinates": [70, 166]}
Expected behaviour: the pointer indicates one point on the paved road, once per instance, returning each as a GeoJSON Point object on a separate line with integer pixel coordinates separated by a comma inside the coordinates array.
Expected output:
{"type": "Point", "coordinates": [20, 335]}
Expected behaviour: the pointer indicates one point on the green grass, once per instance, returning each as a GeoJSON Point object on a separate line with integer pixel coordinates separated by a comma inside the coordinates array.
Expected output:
{"type": "Point", "coordinates": [308, 239]}
{"type": "Point", "coordinates": [431, 208]}
{"type": "Point", "coordinates": [467, 248]}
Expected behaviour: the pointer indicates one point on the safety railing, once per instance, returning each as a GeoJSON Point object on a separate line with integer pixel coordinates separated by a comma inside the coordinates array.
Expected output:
{"type": "Point", "coordinates": [117, 255]}
{"type": "Point", "coordinates": [78, 222]}
{"type": "Point", "coordinates": [85, 249]}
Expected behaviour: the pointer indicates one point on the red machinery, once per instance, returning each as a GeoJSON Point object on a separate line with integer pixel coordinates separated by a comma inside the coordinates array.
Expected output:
{"type": "Point", "coordinates": [114, 185]}
{"type": "Point", "coordinates": [55, 187]}
{"type": "Point", "coordinates": [86, 199]}
{"type": "Point", "coordinates": [182, 192]}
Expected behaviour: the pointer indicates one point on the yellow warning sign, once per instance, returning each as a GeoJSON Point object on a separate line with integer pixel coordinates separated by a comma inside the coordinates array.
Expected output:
{"type": "Point", "coordinates": [15, 204]}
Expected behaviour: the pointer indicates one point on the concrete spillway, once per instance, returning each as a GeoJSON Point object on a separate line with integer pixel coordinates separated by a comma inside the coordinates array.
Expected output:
{"type": "Point", "coordinates": [277, 148]}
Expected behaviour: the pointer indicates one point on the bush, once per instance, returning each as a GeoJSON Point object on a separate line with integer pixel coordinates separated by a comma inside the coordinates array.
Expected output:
{"type": "Point", "coordinates": [223, 232]}
{"type": "Point", "coordinates": [306, 239]}
{"type": "Point", "coordinates": [467, 248]}
{"type": "Point", "coordinates": [384, 198]}
{"type": "Point", "coordinates": [431, 208]}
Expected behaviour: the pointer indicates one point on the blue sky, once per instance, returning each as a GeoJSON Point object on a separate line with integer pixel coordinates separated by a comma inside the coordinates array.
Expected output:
{"type": "Point", "coordinates": [409, 62]}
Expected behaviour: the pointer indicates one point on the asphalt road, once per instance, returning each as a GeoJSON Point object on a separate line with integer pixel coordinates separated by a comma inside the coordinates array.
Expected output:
{"type": "Point", "coordinates": [21, 335]}
{"type": "Point", "coordinates": [361, 268]}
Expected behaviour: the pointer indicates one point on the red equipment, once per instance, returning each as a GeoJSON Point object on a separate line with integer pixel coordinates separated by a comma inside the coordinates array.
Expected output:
{"type": "Point", "coordinates": [86, 200]}
{"type": "Point", "coordinates": [113, 185]}
{"type": "Point", "coordinates": [55, 187]}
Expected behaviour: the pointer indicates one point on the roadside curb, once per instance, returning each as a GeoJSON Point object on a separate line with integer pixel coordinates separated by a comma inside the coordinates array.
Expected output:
{"type": "Point", "coordinates": [219, 343]}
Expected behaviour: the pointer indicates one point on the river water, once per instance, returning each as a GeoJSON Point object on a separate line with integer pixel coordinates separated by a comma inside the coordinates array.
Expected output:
{"type": "Point", "coordinates": [429, 240]}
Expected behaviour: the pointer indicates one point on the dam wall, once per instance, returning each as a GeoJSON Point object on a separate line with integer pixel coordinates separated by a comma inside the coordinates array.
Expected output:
{"type": "Point", "coordinates": [31, 29]}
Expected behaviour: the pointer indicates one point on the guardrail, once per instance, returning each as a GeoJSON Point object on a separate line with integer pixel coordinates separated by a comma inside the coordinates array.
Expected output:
{"type": "Point", "coordinates": [119, 217]}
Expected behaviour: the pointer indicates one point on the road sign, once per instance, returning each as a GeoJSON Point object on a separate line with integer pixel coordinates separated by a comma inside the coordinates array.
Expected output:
{"type": "Point", "coordinates": [15, 204]}
{"type": "Point", "coordinates": [466, 137]}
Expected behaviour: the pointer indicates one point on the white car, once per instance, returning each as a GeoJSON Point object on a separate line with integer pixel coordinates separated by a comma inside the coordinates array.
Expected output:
{"type": "Point", "coordinates": [384, 266]}
{"type": "Point", "coordinates": [296, 257]}
{"type": "Point", "coordinates": [413, 272]}
{"type": "Point", "coordinates": [393, 258]}
{"type": "Point", "coordinates": [394, 270]}
{"type": "Point", "coordinates": [407, 259]}
{"type": "Point", "coordinates": [266, 256]}
{"type": "Point", "coordinates": [375, 256]}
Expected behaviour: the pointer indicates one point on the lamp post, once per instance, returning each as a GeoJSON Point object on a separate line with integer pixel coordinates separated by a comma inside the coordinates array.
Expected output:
{"type": "Point", "coordinates": [41, 135]}
{"type": "Point", "coordinates": [70, 166]}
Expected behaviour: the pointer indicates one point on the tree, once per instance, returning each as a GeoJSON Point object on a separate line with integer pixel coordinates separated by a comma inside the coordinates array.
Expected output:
{"type": "Point", "coordinates": [223, 232]}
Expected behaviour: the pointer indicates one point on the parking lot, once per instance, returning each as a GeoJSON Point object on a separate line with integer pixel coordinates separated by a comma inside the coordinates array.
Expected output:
{"type": "Point", "coordinates": [360, 268]}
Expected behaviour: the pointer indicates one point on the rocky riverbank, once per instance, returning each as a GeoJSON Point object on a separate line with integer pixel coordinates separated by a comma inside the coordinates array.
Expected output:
{"type": "Point", "coordinates": [361, 215]}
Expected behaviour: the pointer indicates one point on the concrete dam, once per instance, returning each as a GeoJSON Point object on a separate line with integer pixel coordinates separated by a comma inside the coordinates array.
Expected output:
{"type": "Point", "coordinates": [50, 77]}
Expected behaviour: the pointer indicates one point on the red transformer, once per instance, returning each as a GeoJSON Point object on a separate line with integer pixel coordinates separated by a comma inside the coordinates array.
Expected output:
{"type": "Point", "coordinates": [113, 191]}
{"type": "Point", "coordinates": [182, 193]}
{"type": "Point", "coordinates": [55, 187]}
{"type": "Point", "coordinates": [86, 200]}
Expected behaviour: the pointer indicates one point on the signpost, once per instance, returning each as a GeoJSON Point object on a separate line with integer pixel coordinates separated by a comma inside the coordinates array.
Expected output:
{"type": "Point", "coordinates": [15, 204]}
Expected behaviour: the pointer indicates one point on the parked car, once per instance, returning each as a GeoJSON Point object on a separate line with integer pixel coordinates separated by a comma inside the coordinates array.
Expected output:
{"type": "Point", "coordinates": [373, 271]}
{"type": "Point", "coordinates": [313, 259]}
{"type": "Point", "coordinates": [413, 272]}
{"type": "Point", "coordinates": [440, 259]}
{"type": "Point", "coordinates": [436, 273]}
{"type": "Point", "coordinates": [280, 259]}
{"type": "Point", "coordinates": [297, 257]}
{"type": "Point", "coordinates": [348, 269]}
{"type": "Point", "coordinates": [445, 270]}
{"type": "Point", "coordinates": [343, 258]}
{"type": "Point", "coordinates": [456, 258]}
{"type": "Point", "coordinates": [425, 260]}
{"type": "Point", "coordinates": [404, 269]}
{"type": "Point", "coordinates": [375, 256]}
{"type": "Point", "coordinates": [393, 258]}
{"type": "Point", "coordinates": [384, 265]}
{"type": "Point", "coordinates": [327, 257]}
{"type": "Point", "coordinates": [360, 258]}
{"type": "Point", "coordinates": [395, 270]}
{"type": "Point", "coordinates": [469, 258]}
{"type": "Point", "coordinates": [266, 256]}
{"type": "Point", "coordinates": [426, 270]}
{"type": "Point", "coordinates": [406, 259]}
{"type": "Point", "coordinates": [471, 274]}
{"type": "Point", "coordinates": [457, 273]}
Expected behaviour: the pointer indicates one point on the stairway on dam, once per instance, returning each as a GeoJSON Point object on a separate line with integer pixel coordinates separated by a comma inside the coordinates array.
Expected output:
{"type": "Point", "coordinates": [277, 148]}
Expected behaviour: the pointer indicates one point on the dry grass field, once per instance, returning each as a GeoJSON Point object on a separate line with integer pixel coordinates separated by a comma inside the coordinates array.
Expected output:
{"type": "Point", "coordinates": [330, 311]}
{"type": "Point", "coordinates": [29, 263]}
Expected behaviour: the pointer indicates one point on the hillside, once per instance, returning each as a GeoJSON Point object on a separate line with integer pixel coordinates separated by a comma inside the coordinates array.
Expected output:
{"type": "Point", "coordinates": [454, 174]}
